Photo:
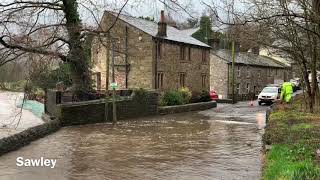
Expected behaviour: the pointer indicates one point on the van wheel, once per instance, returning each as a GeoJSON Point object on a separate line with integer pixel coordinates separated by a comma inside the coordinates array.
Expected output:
{"type": "Point", "coordinates": [259, 103]}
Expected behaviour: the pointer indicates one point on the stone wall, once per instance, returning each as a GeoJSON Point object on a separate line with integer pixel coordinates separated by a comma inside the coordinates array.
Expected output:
{"type": "Point", "coordinates": [187, 107]}
{"type": "Point", "coordinates": [257, 77]}
{"type": "Point", "coordinates": [23, 138]}
{"type": "Point", "coordinates": [52, 98]}
{"type": "Point", "coordinates": [87, 112]}
{"type": "Point", "coordinates": [171, 65]}
{"type": "Point", "coordinates": [219, 76]}
{"type": "Point", "coordinates": [244, 97]}
{"type": "Point", "coordinates": [140, 57]}
{"type": "Point", "coordinates": [145, 60]}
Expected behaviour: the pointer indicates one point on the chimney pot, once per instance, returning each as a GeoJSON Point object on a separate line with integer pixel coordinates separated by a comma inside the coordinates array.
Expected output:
{"type": "Point", "coordinates": [162, 16]}
{"type": "Point", "coordinates": [162, 26]}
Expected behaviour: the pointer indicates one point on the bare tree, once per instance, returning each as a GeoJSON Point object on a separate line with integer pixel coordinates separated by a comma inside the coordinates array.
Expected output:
{"type": "Point", "coordinates": [291, 27]}
{"type": "Point", "coordinates": [22, 21]}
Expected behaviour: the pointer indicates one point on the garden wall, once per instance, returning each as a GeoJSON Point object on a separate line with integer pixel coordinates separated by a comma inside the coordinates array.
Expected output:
{"type": "Point", "coordinates": [228, 101]}
{"type": "Point", "coordinates": [187, 107]}
{"type": "Point", "coordinates": [23, 138]}
{"type": "Point", "coordinates": [87, 112]}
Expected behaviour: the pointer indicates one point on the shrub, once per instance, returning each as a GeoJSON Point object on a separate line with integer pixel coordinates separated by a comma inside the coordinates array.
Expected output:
{"type": "Point", "coordinates": [202, 96]}
{"type": "Point", "coordinates": [171, 98]}
{"type": "Point", "coordinates": [15, 86]}
{"type": "Point", "coordinates": [195, 97]}
{"type": "Point", "coordinates": [205, 96]}
{"type": "Point", "coordinates": [186, 94]}
{"type": "Point", "coordinates": [140, 95]}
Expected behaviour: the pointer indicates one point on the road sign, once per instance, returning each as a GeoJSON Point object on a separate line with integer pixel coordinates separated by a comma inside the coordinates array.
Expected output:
{"type": "Point", "coordinates": [114, 85]}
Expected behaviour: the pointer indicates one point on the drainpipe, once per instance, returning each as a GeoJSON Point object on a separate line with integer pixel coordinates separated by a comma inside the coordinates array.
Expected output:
{"type": "Point", "coordinates": [126, 57]}
{"type": "Point", "coordinates": [233, 81]}
{"type": "Point", "coordinates": [228, 80]}
{"type": "Point", "coordinates": [155, 58]}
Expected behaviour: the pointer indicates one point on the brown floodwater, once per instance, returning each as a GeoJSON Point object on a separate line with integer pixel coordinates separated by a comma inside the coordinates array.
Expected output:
{"type": "Point", "coordinates": [181, 146]}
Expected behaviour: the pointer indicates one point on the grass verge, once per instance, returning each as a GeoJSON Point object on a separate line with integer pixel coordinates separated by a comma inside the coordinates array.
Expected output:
{"type": "Point", "coordinates": [295, 138]}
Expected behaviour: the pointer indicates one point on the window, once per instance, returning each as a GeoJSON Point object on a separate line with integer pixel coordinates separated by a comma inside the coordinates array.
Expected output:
{"type": "Point", "coordinates": [182, 52]}
{"type": "Point", "coordinates": [160, 80]}
{"type": "Point", "coordinates": [182, 79]}
{"type": "Point", "coordinates": [238, 88]}
{"type": "Point", "coordinates": [204, 55]}
{"type": "Point", "coordinates": [276, 72]}
{"type": "Point", "coordinates": [98, 80]}
{"type": "Point", "coordinates": [285, 76]}
{"type": "Point", "coordinates": [248, 88]}
{"type": "Point", "coordinates": [238, 71]}
{"type": "Point", "coordinates": [259, 73]}
{"type": "Point", "coordinates": [189, 53]}
{"type": "Point", "coordinates": [117, 46]}
{"type": "Point", "coordinates": [248, 71]}
{"type": "Point", "coordinates": [204, 81]}
{"type": "Point", "coordinates": [270, 72]}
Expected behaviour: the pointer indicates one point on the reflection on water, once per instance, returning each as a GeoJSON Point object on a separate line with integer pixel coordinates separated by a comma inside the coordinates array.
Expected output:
{"type": "Point", "coordinates": [182, 146]}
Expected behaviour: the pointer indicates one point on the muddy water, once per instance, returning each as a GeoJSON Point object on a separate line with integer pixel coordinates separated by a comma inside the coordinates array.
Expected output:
{"type": "Point", "coordinates": [182, 146]}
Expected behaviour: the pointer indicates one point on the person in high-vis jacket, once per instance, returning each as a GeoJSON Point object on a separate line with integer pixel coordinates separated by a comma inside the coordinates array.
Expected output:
{"type": "Point", "coordinates": [286, 92]}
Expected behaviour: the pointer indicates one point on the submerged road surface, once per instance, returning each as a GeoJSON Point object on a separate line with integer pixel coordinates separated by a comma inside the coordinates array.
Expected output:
{"type": "Point", "coordinates": [220, 143]}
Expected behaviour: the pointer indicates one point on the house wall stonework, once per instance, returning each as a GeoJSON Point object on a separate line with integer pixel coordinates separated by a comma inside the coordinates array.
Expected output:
{"type": "Point", "coordinates": [139, 48]}
{"type": "Point", "coordinates": [99, 58]}
{"type": "Point", "coordinates": [147, 58]}
{"type": "Point", "coordinates": [249, 79]}
{"type": "Point", "coordinates": [194, 68]}
{"type": "Point", "coordinates": [219, 76]}
{"type": "Point", "coordinates": [253, 79]}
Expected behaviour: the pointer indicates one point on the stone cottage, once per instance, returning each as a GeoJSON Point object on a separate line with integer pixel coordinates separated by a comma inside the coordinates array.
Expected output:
{"type": "Point", "coordinates": [252, 72]}
{"type": "Point", "coordinates": [148, 55]}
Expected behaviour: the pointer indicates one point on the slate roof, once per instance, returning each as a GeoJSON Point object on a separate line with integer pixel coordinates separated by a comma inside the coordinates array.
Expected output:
{"type": "Point", "coordinates": [248, 59]}
{"type": "Point", "coordinates": [151, 28]}
{"type": "Point", "coordinates": [190, 31]}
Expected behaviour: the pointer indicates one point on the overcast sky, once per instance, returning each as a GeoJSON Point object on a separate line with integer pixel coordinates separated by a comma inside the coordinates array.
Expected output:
{"type": "Point", "coordinates": [152, 8]}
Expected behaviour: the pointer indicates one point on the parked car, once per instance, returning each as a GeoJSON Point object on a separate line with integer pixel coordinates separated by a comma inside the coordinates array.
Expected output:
{"type": "Point", "coordinates": [296, 84]}
{"type": "Point", "coordinates": [269, 95]}
{"type": "Point", "coordinates": [214, 95]}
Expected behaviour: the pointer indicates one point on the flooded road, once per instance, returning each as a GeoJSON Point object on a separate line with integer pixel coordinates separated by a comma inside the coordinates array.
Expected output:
{"type": "Point", "coordinates": [221, 143]}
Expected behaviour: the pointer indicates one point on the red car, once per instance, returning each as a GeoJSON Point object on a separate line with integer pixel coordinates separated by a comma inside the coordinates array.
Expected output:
{"type": "Point", "coordinates": [214, 95]}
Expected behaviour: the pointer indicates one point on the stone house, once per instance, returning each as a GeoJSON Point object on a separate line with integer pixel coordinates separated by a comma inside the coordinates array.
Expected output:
{"type": "Point", "coordinates": [252, 72]}
{"type": "Point", "coordinates": [148, 55]}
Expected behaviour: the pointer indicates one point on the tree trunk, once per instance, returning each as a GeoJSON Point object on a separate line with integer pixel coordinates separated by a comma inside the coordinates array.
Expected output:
{"type": "Point", "coordinates": [315, 56]}
{"type": "Point", "coordinates": [307, 85]}
{"type": "Point", "coordinates": [80, 73]}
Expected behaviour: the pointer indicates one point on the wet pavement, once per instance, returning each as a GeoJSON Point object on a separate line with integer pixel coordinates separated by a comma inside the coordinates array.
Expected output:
{"type": "Point", "coordinates": [220, 143]}
{"type": "Point", "coordinates": [12, 118]}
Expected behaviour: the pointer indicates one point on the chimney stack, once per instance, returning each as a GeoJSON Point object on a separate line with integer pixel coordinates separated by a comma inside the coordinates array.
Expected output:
{"type": "Point", "coordinates": [162, 25]}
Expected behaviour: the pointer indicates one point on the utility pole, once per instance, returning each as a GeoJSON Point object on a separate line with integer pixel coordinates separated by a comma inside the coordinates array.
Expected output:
{"type": "Point", "coordinates": [126, 57]}
{"type": "Point", "coordinates": [233, 60]}
{"type": "Point", "coordinates": [114, 110]}
{"type": "Point", "coordinates": [106, 110]}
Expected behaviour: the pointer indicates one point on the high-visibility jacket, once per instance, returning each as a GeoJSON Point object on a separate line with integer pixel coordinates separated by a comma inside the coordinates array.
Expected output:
{"type": "Point", "coordinates": [286, 91]}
